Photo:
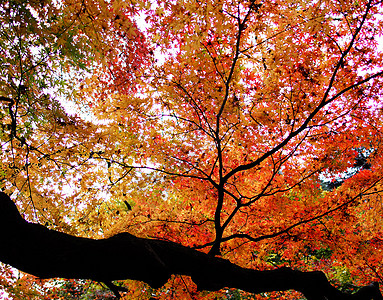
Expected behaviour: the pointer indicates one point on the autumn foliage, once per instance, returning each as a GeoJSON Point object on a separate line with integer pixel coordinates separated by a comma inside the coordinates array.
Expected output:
{"type": "Point", "coordinates": [244, 129]}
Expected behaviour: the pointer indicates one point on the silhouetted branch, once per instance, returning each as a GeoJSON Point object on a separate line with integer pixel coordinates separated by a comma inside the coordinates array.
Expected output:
{"type": "Point", "coordinates": [45, 253]}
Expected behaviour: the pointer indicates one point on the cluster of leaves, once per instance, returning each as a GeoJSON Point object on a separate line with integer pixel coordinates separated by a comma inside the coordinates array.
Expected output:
{"type": "Point", "coordinates": [213, 127]}
{"type": "Point", "coordinates": [48, 51]}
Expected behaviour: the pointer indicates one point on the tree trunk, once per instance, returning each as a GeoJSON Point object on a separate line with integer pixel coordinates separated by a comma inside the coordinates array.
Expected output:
{"type": "Point", "coordinates": [45, 253]}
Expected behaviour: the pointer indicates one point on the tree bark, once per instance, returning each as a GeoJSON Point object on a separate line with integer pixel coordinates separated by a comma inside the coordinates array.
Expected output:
{"type": "Point", "coordinates": [45, 253]}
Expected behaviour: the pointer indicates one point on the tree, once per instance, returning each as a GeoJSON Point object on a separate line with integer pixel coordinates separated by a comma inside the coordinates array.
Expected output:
{"type": "Point", "coordinates": [198, 148]}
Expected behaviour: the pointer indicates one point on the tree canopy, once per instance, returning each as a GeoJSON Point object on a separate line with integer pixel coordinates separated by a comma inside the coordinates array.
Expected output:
{"type": "Point", "coordinates": [191, 149]}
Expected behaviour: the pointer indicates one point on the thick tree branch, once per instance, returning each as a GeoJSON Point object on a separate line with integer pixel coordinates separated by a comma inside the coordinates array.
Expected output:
{"type": "Point", "coordinates": [45, 253]}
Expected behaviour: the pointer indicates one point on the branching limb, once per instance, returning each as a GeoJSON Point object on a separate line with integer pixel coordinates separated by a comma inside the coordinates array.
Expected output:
{"type": "Point", "coordinates": [45, 253]}
{"type": "Point", "coordinates": [115, 288]}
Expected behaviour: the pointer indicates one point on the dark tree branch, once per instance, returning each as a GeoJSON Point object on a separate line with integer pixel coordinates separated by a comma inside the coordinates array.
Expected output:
{"type": "Point", "coordinates": [45, 253]}
{"type": "Point", "coordinates": [115, 288]}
